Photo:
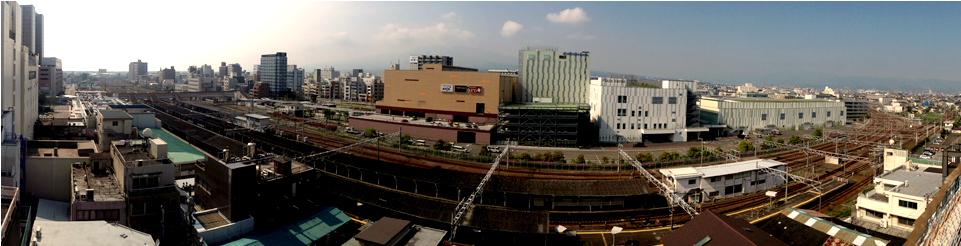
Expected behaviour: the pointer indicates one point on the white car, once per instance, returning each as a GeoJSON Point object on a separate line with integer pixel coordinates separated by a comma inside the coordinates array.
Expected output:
{"type": "Point", "coordinates": [419, 142]}
{"type": "Point", "coordinates": [493, 149]}
{"type": "Point", "coordinates": [460, 149]}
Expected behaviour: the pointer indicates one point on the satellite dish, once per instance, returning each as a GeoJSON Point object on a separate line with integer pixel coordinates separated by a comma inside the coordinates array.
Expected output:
{"type": "Point", "coordinates": [147, 133]}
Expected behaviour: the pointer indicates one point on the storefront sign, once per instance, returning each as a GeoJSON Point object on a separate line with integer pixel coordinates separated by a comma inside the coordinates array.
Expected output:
{"type": "Point", "coordinates": [460, 88]}
{"type": "Point", "coordinates": [447, 88]}
{"type": "Point", "coordinates": [474, 89]}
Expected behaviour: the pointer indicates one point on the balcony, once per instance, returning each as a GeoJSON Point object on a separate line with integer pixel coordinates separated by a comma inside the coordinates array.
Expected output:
{"type": "Point", "coordinates": [873, 201]}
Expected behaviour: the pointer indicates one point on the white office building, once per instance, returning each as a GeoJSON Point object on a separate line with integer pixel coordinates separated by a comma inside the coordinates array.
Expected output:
{"type": "Point", "coordinates": [547, 75]}
{"type": "Point", "coordinates": [722, 181]}
{"type": "Point", "coordinates": [902, 192]}
{"type": "Point", "coordinates": [625, 112]}
{"type": "Point", "coordinates": [20, 73]}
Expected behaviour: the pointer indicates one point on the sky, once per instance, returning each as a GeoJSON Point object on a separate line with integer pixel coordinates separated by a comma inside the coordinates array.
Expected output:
{"type": "Point", "coordinates": [725, 41]}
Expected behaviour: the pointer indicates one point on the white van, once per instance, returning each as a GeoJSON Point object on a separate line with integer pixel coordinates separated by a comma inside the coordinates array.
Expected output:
{"type": "Point", "coordinates": [460, 149]}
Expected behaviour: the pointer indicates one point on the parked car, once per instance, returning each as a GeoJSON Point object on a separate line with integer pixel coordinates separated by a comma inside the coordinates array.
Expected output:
{"type": "Point", "coordinates": [639, 145]}
{"type": "Point", "coordinates": [460, 149]}
{"type": "Point", "coordinates": [493, 149]}
{"type": "Point", "coordinates": [419, 142]}
{"type": "Point", "coordinates": [351, 130]}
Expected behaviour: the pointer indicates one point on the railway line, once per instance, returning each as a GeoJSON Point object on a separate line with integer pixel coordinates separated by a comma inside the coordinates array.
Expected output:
{"type": "Point", "coordinates": [882, 127]}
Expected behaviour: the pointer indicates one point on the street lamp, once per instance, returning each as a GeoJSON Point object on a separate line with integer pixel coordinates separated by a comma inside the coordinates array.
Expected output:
{"type": "Point", "coordinates": [614, 232]}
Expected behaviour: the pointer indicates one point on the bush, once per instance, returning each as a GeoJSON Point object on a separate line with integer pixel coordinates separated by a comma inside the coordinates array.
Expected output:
{"type": "Point", "coordinates": [605, 160]}
{"type": "Point", "coordinates": [794, 140]}
{"type": "Point", "coordinates": [644, 157]}
{"type": "Point", "coordinates": [818, 132]}
{"type": "Point", "coordinates": [405, 139]}
{"type": "Point", "coordinates": [370, 132]}
{"type": "Point", "coordinates": [484, 151]}
{"type": "Point", "coordinates": [745, 146]}
{"type": "Point", "coordinates": [579, 159]}
{"type": "Point", "coordinates": [442, 145]}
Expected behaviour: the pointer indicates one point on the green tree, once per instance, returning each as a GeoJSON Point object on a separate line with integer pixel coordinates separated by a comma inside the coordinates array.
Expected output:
{"type": "Point", "coordinates": [344, 115]}
{"type": "Point", "coordinates": [370, 132]}
{"type": "Point", "coordinates": [669, 156]}
{"type": "Point", "coordinates": [539, 156]}
{"type": "Point", "coordinates": [780, 140]}
{"type": "Point", "coordinates": [769, 138]}
{"type": "Point", "coordinates": [526, 157]}
{"type": "Point", "coordinates": [605, 160]}
{"type": "Point", "coordinates": [558, 157]}
{"type": "Point", "coordinates": [484, 151]}
{"type": "Point", "coordinates": [327, 114]}
{"type": "Point", "coordinates": [405, 139]}
{"type": "Point", "coordinates": [442, 145]}
{"type": "Point", "coordinates": [794, 140]}
{"type": "Point", "coordinates": [580, 159]}
{"type": "Point", "coordinates": [745, 146]}
{"type": "Point", "coordinates": [694, 152]}
{"type": "Point", "coordinates": [644, 157]}
{"type": "Point", "coordinates": [818, 133]}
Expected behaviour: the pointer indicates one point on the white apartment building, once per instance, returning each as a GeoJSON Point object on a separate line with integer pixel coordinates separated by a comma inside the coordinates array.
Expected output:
{"type": "Point", "coordinates": [722, 181]}
{"type": "Point", "coordinates": [902, 192]}
{"type": "Point", "coordinates": [550, 76]}
{"type": "Point", "coordinates": [623, 112]}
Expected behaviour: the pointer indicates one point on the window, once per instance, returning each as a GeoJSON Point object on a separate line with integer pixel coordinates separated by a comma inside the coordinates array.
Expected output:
{"type": "Point", "coordinates": [530, 56]}
{"type": "Point", "coordinates": [693, 181]}
{"type": "Point", "coordinates": [547, 57]}
{"type": "Point", "coordinates": [621, 99]}
{"type": "Point", "coordinates": [632, 113]}
{"type": "Point", "coordinates": [762, 181]}
{"type": "Point", "coordinates": [632, 126]}
{"type": "Point", "coordinates": [738, 188]}
{"type": "Point", "coordinates": [673, 120]}
{"type": "Point", "coordinates": [874, 214]}
{"type": "Point", "coordinates": [905, 221]}
{"type": "Point", "coordinates": [842, 113]}
{"type": "Point", "coordinates": [800, 115]}
{"type": "Point", "coordinates": [763, 116]}
{"type": "Point", "coordinates": [645, 126]}
{"type": "Point", "coordinates": [712, 193]}
{"type": "Point", "coordinates": [814, 115]}
{"type": "Point", "coordinates": [622, 112]}
{"type": "Point", "coordinates": [907, 204]}
{"type": "Point", "coordinates": [645, 113]}
{"type": "Point", "coordinates": [733, 189]}
{"type": "Point", "coordinates": [782, 116]}
{"type": "Point", "coordinates": [729, 177]}
{"type": "Point", "coordinates": [715, 179]}
{"type": "Point", "coordinates": [479, 108]}
{"type": "Point", "coordinates": [145, 182]}
{"type": "Point", "coordinates": [657, 100]}
{"type": "Point", "coordinates": [672, 100]}
{"type": "Point", "coordinates": [829, 113]}
{"type": "Point", "coordinates": [115, 123]}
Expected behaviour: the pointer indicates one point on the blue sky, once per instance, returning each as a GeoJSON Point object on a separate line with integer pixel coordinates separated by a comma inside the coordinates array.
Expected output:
{"type": "Point", "coordinates": [726, 41]}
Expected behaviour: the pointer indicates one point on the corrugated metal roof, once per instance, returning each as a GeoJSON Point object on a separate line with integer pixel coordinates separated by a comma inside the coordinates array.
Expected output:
{"type": "Point", "coordinates": [302, 232]}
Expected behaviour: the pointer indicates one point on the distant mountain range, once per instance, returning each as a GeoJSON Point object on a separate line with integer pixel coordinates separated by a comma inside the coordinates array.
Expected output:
{"type": "Point", "coordinates": [812, 80]}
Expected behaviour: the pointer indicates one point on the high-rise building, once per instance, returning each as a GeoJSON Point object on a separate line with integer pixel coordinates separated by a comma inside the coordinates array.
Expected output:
{"type": "Point", "coordinates": [551, 76]}
{"type": "Point", "coordinates": [328, 73]}
{"type": "Point", "coordinates": [273, 71]}
{"type": "Point", "coordinates": [136, 70]}
{"type": "Point", "coordinates": [295, 79]}
{"type": "Point", "coordinates": [223, 70]}
{"type": "Point", "coordinates": [32, 29]}
{"type": "Point", "coordinates": [208, 71]}
{"type": "Point", "coordinates": [357, 72]}
{"type": "Point", "coordinates": [234, 70]}
{"type": "Point", "coordinates": [20, 90]}
{"type": "Point", "coordinates": [51, 76]}
{"type": "Point", "coordinates": [168, 74]}
{"type": "Point", "coordinates": [417, 62]}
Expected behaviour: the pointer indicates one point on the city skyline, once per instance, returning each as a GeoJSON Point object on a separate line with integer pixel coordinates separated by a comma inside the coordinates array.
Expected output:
{"type": "Point", "coordinates": [708, 41]}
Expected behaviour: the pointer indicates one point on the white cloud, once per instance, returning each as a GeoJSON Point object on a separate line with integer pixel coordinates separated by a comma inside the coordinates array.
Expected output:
{"type": "Point", "coordinates": [510, 28]}
{"type": "Point", "coordinates": [448, 16]}
{"type": "Point", "coordinates": [435, 33]}
{"type": "Point", "coordinates": [581, 36]}
{"type": "Point", "coordinates": [572, 16]}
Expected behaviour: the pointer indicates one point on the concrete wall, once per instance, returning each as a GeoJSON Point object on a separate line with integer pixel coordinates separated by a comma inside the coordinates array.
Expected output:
{"type": "Point", "coordinates": [418, 131]}
{"type": "Point", "coordinates": [49, 177]}
{"type": "Point", "coordinates": [225, 233]}
{"type": "Point", "coordinates": [119, 206]}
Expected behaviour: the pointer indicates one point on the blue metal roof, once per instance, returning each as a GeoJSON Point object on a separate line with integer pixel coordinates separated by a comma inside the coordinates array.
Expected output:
{"type": "Point", "coordinates": [302, 232]}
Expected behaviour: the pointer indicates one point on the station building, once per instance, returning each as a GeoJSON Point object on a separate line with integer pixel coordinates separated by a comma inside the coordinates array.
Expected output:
{"type": "Point", "coordinates": [722, 181]}
{"type": "Point", "coordinates": [747, 114]}
{"type": "Point", "coordinates": [446, 93]}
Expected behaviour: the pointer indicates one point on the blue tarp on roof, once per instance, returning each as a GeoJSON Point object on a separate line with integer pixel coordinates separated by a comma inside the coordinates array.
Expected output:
{"type": "Point", "coordinates": [302, 232]}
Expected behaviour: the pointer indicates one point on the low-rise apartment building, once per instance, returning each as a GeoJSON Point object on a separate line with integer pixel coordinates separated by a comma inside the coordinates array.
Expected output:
{"type": "Point", "coordinates": [901, 193]}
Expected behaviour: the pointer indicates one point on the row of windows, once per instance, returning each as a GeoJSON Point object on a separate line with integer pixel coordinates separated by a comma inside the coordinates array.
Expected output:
{"type": "Point", "coordinates": [654, 100]}
{"type": "Point", "coordinates": [656, 126]}
{"type": "Point", "coordinates": [800, 115]}
{"type": "Point", "coordinates": [109, 215]}
{"type": "Point", "coordinates": [907, 204]}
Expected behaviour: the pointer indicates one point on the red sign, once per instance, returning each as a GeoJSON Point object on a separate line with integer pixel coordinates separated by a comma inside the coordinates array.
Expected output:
{"type": "Point", "coordinates": [474, 89]}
